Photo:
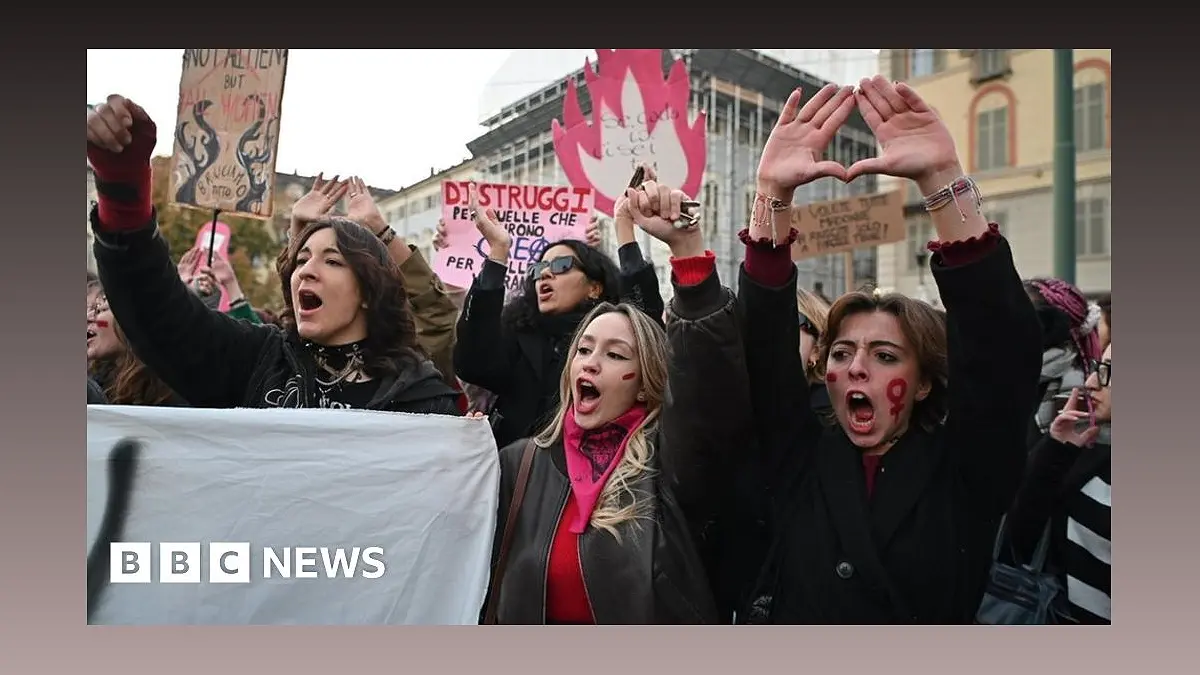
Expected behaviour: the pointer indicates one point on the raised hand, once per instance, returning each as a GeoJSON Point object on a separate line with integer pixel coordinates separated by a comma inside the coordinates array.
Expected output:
{"type": "Point", "coordinates": [1065, 427]}
{"type": "Point", "coordinates": [118, 124]}
{"type": "Point", "coordinates": [592, 233]}
{"type": "Point", "coordinates": [792, 154]}
{"type": "Point", "coordinates": [361, 207]}
{"type": "Point", "coordinates": [223, 273]}
{"type": "Point", "coordinates": [655, 207]}
{"type": "Point", "coordinates": [487, 222]}
{"type": "Point", "coordinates": [439, 236]}
{"type": "Point", "coordinates": [915, 143]}
{"type": "Point", "coordinates": [319, 201]}
{"type": "Point", "coordinates": [189, 262]}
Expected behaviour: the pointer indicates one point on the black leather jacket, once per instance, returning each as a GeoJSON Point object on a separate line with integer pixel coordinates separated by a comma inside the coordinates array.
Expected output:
{"type": "Point", "coordinates": [656, 573]}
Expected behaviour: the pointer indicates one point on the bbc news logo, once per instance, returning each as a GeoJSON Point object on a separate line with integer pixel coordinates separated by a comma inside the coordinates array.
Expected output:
{"type": "Point", "coordinates": [231, 562]}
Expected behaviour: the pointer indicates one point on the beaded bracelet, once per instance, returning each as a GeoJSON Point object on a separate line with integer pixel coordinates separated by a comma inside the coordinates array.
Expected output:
{"type": "Point", "coordinates": [950, 193]}
{"type": "Point", "coordinates": [764, 204]}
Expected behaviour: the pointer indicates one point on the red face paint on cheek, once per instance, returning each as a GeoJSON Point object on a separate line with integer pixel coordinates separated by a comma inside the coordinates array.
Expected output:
{"type": "Point", "coordinates": [896, 390]}
{"type": "Point", "coordinates": [831, 378]}
{"type": "Point", "coordinates": [628, 376]}
{"type": "Point", "coordinates": [102, 323]}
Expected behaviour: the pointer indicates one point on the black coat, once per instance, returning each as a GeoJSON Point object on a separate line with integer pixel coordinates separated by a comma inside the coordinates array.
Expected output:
{"type": "Point", "coordinates": [919, 550]}
{"type": "Point", "coordinates": [216, 361]}
{"type": "Point", "coordinates": [522, 367]}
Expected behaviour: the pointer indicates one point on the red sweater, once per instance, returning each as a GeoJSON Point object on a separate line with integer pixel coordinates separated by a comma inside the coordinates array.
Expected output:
{"type": "Point", "coordinates": [566, 595]}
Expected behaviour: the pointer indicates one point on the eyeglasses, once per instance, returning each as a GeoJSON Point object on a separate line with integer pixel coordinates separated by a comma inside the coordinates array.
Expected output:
{"type": "Point", "coordinates": [1103, 371]}
{"type": "Point", "coordinates": [809, 327]}
{"type": "Point", "coordinates": [560, 265]}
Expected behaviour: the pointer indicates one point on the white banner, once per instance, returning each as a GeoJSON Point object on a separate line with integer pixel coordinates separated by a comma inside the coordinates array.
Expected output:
{"type": "Point", "coordinates": [290, 517]}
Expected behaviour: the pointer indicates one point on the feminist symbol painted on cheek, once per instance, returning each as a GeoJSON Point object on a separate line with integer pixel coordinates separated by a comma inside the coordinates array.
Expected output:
{"type": "Point", "coordinates": [896, 390]}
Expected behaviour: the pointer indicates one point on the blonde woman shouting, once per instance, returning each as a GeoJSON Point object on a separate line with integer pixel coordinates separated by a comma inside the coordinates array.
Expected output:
{"type": "Point", "coordinates": [597, 517]}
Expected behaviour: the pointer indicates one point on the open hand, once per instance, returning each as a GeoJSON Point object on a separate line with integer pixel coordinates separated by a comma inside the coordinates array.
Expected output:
{"type": "Point", "coordinates": [488, 223]}
{"type": "Point", "coordinates": [319, 201]}
{"type": "Point", "coordinates": [592, 234]}
{"type": "Point", "coordinates": [439, 236]}
{"type": "Point", "coordinates": [361, 207]}
{"type": "Point", "coordinates": [792, 154]}
{"type": "Point", "coordinates": [1065, 427]}
{"type": "Point", "coordinates": [223, 273]}
{"type": "Point", "coordinates": [914, 141]}
{"type": "Point", "coordinates": [188, 264]}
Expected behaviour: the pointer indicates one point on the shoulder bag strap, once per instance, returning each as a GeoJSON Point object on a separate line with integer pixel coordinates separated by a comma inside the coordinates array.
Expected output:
{"type": "Point", "coordinates": [514, 507]}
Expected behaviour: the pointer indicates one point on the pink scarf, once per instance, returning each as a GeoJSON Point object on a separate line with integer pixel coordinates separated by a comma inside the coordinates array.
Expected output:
{"type": "Point", "coordinates": [592, 454]}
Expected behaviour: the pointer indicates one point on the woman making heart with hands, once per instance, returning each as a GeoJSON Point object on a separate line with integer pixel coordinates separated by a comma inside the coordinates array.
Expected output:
{"type": "Point", "coordinates": [889, 515]}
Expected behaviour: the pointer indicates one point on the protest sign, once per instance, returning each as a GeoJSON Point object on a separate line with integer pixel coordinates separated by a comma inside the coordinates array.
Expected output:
{"type": "Point", "coordinates": [636, 117]}
{"type": "Point", "coordinates": [227, 130]}
{"type": "Point", "coordinates": [292, 516]}
{"type": "Point", "coordinates": [843, 225]}
{"type": "Point", "coordinates": [535, 215]}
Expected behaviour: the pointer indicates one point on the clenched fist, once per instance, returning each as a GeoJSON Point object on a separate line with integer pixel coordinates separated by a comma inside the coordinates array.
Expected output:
{"type": "Point", "coordinates": [118, 125]}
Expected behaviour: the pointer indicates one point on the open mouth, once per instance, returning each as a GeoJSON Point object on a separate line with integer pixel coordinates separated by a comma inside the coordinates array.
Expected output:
{"type": "Point", "coordinates": [860, 412]}
{"type": "Point", "coordinates": [544, 290]}
{"type": "Point", "coordinates": [587, 396]}
{"type": "Point", "coordinates": [90, 334]}
{"type": "Point", "coordinates": [308, 300]}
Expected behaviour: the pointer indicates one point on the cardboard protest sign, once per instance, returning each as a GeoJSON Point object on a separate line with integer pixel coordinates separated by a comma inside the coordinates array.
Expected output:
{"type": "Point", "coordinates": [535, 215]}
{"type": "Point", "coordinates": [637, 118]}
{"type": "Point", "coordinates": [846, 224]}
{"type": "Point", "coordinates": [294, 516]}
{"type": "Point", "coordinates": [227, 130]}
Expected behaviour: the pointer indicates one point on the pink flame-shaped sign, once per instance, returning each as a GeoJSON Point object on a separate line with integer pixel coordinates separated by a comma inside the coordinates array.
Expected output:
{"type": "Point", "coordinates": [637, 117]}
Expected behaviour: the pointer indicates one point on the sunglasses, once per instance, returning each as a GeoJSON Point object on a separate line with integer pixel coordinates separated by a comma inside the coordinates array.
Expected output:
{"type": "Point", "coordinates": [809, 327]}
{"type": "Point", "coordinates": [560, 265]}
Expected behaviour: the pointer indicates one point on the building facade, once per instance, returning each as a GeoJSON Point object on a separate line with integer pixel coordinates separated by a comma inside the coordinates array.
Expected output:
{"type": "Point", "coordinates": [413, 211]}
{"type": "Point", "coordinates": [999, 106]}
{"type": "Point", "coordinates": [741, 91]}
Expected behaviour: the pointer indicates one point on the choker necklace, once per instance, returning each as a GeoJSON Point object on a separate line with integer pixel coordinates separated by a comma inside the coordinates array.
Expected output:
{"type": "Point", "coordinates": [338, 366]}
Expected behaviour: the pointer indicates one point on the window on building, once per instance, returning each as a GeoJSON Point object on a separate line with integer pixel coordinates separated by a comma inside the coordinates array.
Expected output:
{"type": "Point", "coordinates": [1093, 232]}
{"type": "Point", "coordinates": [924, 62]}
{"type": "Point", "coordinates": [991, 139]}
{"type": "Point", "coordinates": [920, 232]}
{"type": "Point", "coordinates": [1090, 127]}
{"type": "Point", "coordinates": [991, 63]}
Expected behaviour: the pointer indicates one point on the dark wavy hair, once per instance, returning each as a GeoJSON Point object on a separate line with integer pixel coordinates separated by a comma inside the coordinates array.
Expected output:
{"type": "Point", "coordinates": [124, 378]}
{"type": "Point", "coordinates": [924, 328]}
{"type": "Point", "coordinates": [521, 313]}
{"type": "Point", "coordinates": [391, 341]}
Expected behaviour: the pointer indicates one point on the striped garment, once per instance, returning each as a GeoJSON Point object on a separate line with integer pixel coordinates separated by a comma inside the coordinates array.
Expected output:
{"type": "Point", "coordinates": [1086, 548]}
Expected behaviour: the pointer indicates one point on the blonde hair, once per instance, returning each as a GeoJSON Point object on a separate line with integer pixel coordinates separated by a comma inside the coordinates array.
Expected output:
{"type": "Point", "coordinates": [618, 502]}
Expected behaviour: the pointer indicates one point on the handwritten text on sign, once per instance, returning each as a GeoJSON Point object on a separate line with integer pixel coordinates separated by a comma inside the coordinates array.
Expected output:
{"type": "Point", "coordinates": [535, 216]}
{"type": "Point", "coordinates": [846, 224]}
{"type": "Point", "coordinates": [227, 129]}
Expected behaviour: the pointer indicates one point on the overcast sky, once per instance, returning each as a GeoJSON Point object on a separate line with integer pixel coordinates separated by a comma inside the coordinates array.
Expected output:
{"type": "Point", "coordinates": [388, 115]}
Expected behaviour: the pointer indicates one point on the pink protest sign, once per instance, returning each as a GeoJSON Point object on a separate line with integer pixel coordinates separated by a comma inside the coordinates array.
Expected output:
{"type": "Point", "coordinates": [219, 241]}
{"type": "Point", "coordinates": [535, 215]}
{"type": "Point", "coordinates": [637, 117]}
